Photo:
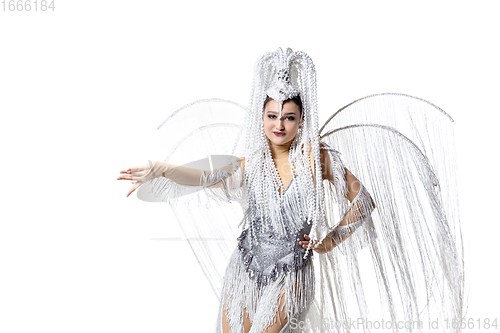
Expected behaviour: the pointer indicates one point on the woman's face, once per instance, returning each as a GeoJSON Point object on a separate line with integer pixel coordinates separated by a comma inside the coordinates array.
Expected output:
{"type": "Point", "coordinates": [281, 131]}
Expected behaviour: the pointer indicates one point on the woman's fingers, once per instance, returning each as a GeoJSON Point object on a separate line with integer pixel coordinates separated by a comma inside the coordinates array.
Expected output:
{"type": "Point", "coordinates": [135, 185]}
{"type": "Point", "coordinates": [132, 189]}
{"type": "Point", "coordinates": [127, 177]}
{"type": "Point", "coordinates": [305, 244]}
{"type": "Point", "coordinates": [124, 175]}
{"type": "Point", "coordinates": [134, 174]}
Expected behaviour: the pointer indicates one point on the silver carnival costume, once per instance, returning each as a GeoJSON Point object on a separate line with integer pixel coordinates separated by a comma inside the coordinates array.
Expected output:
{"type": "Point", "coordinates": [396, 267]}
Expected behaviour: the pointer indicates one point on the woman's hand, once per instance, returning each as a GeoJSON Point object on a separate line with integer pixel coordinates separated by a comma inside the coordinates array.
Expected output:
{"type": "Point", "coordinates": [327, 245]}
{"type": "Point", "coordinates": [135, 174]}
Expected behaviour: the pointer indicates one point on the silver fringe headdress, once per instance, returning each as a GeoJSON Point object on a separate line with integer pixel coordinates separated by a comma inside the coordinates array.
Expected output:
{"type": "Point", "coordinates": [282, 75]}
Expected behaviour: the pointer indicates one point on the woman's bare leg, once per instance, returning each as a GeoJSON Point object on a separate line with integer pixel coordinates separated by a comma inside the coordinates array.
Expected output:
{"type": "Point", "coordinates": [246, 322]}
{"type": "Point", "coordinates": [225, 324]}
{"type": "Point", "coordinates": [278, 324]}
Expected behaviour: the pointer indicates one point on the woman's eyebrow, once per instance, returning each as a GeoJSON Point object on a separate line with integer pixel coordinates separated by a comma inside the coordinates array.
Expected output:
{"type": "Point", "coordinates": [276, 112]}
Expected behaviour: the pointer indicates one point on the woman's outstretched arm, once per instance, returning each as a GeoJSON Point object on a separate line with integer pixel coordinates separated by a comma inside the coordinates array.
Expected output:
{"type": "Point", "coordinates": [179, 174]}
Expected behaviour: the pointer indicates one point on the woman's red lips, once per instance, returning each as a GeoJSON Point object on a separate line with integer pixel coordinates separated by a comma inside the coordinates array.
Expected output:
{"type": "Point", "coordinates": [279, 133]}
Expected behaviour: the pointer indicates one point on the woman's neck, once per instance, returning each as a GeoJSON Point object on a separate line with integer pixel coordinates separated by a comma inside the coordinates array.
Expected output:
{"type": "Point", "coordinates": [279, 152]}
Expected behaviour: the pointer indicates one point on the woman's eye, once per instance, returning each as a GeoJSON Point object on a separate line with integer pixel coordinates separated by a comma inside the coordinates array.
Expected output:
{"type": "Point", "coordinates": [271, 116]}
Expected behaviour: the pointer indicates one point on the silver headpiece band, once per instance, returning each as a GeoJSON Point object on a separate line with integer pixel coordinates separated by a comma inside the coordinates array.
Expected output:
{"type": "Point", "coordinates": [283, 87]}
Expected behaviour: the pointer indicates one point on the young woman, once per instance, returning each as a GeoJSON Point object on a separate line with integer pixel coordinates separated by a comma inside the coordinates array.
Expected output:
{"type": "Point", "coordinates": [288, 182]}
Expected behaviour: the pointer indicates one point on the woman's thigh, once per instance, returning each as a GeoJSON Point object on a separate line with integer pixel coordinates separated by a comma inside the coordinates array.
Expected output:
{"type": "Point", "coordinates": [226, 326]}
{"type": "Point", "coordinates": [280, 319]}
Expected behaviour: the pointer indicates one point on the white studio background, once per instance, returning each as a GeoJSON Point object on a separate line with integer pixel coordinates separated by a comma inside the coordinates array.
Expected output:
{"type": "Point", "coordinates": [84, 87]}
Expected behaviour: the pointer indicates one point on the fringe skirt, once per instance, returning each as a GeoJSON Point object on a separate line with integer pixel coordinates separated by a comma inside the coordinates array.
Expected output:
{"type": "Point", "coordinates": [262, 303]}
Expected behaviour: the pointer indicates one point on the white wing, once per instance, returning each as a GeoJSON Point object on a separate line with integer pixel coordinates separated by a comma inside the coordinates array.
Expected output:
{"type": "Point", "coordinates": [211, 139]}
{"type": "Point", "coordinates": [401, 149]}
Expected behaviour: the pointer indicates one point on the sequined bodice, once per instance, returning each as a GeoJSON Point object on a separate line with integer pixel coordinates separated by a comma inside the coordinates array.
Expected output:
{"type": "Point", "coordinates": [269, 249]}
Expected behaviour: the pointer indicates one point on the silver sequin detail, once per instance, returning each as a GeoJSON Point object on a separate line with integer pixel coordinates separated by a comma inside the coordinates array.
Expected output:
{"type": "Point", "coordinates": [267, 252]}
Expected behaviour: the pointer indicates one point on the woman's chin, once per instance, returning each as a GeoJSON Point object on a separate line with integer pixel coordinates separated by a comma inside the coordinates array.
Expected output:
{"type": "Point", "coordinates": [280, 140]}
